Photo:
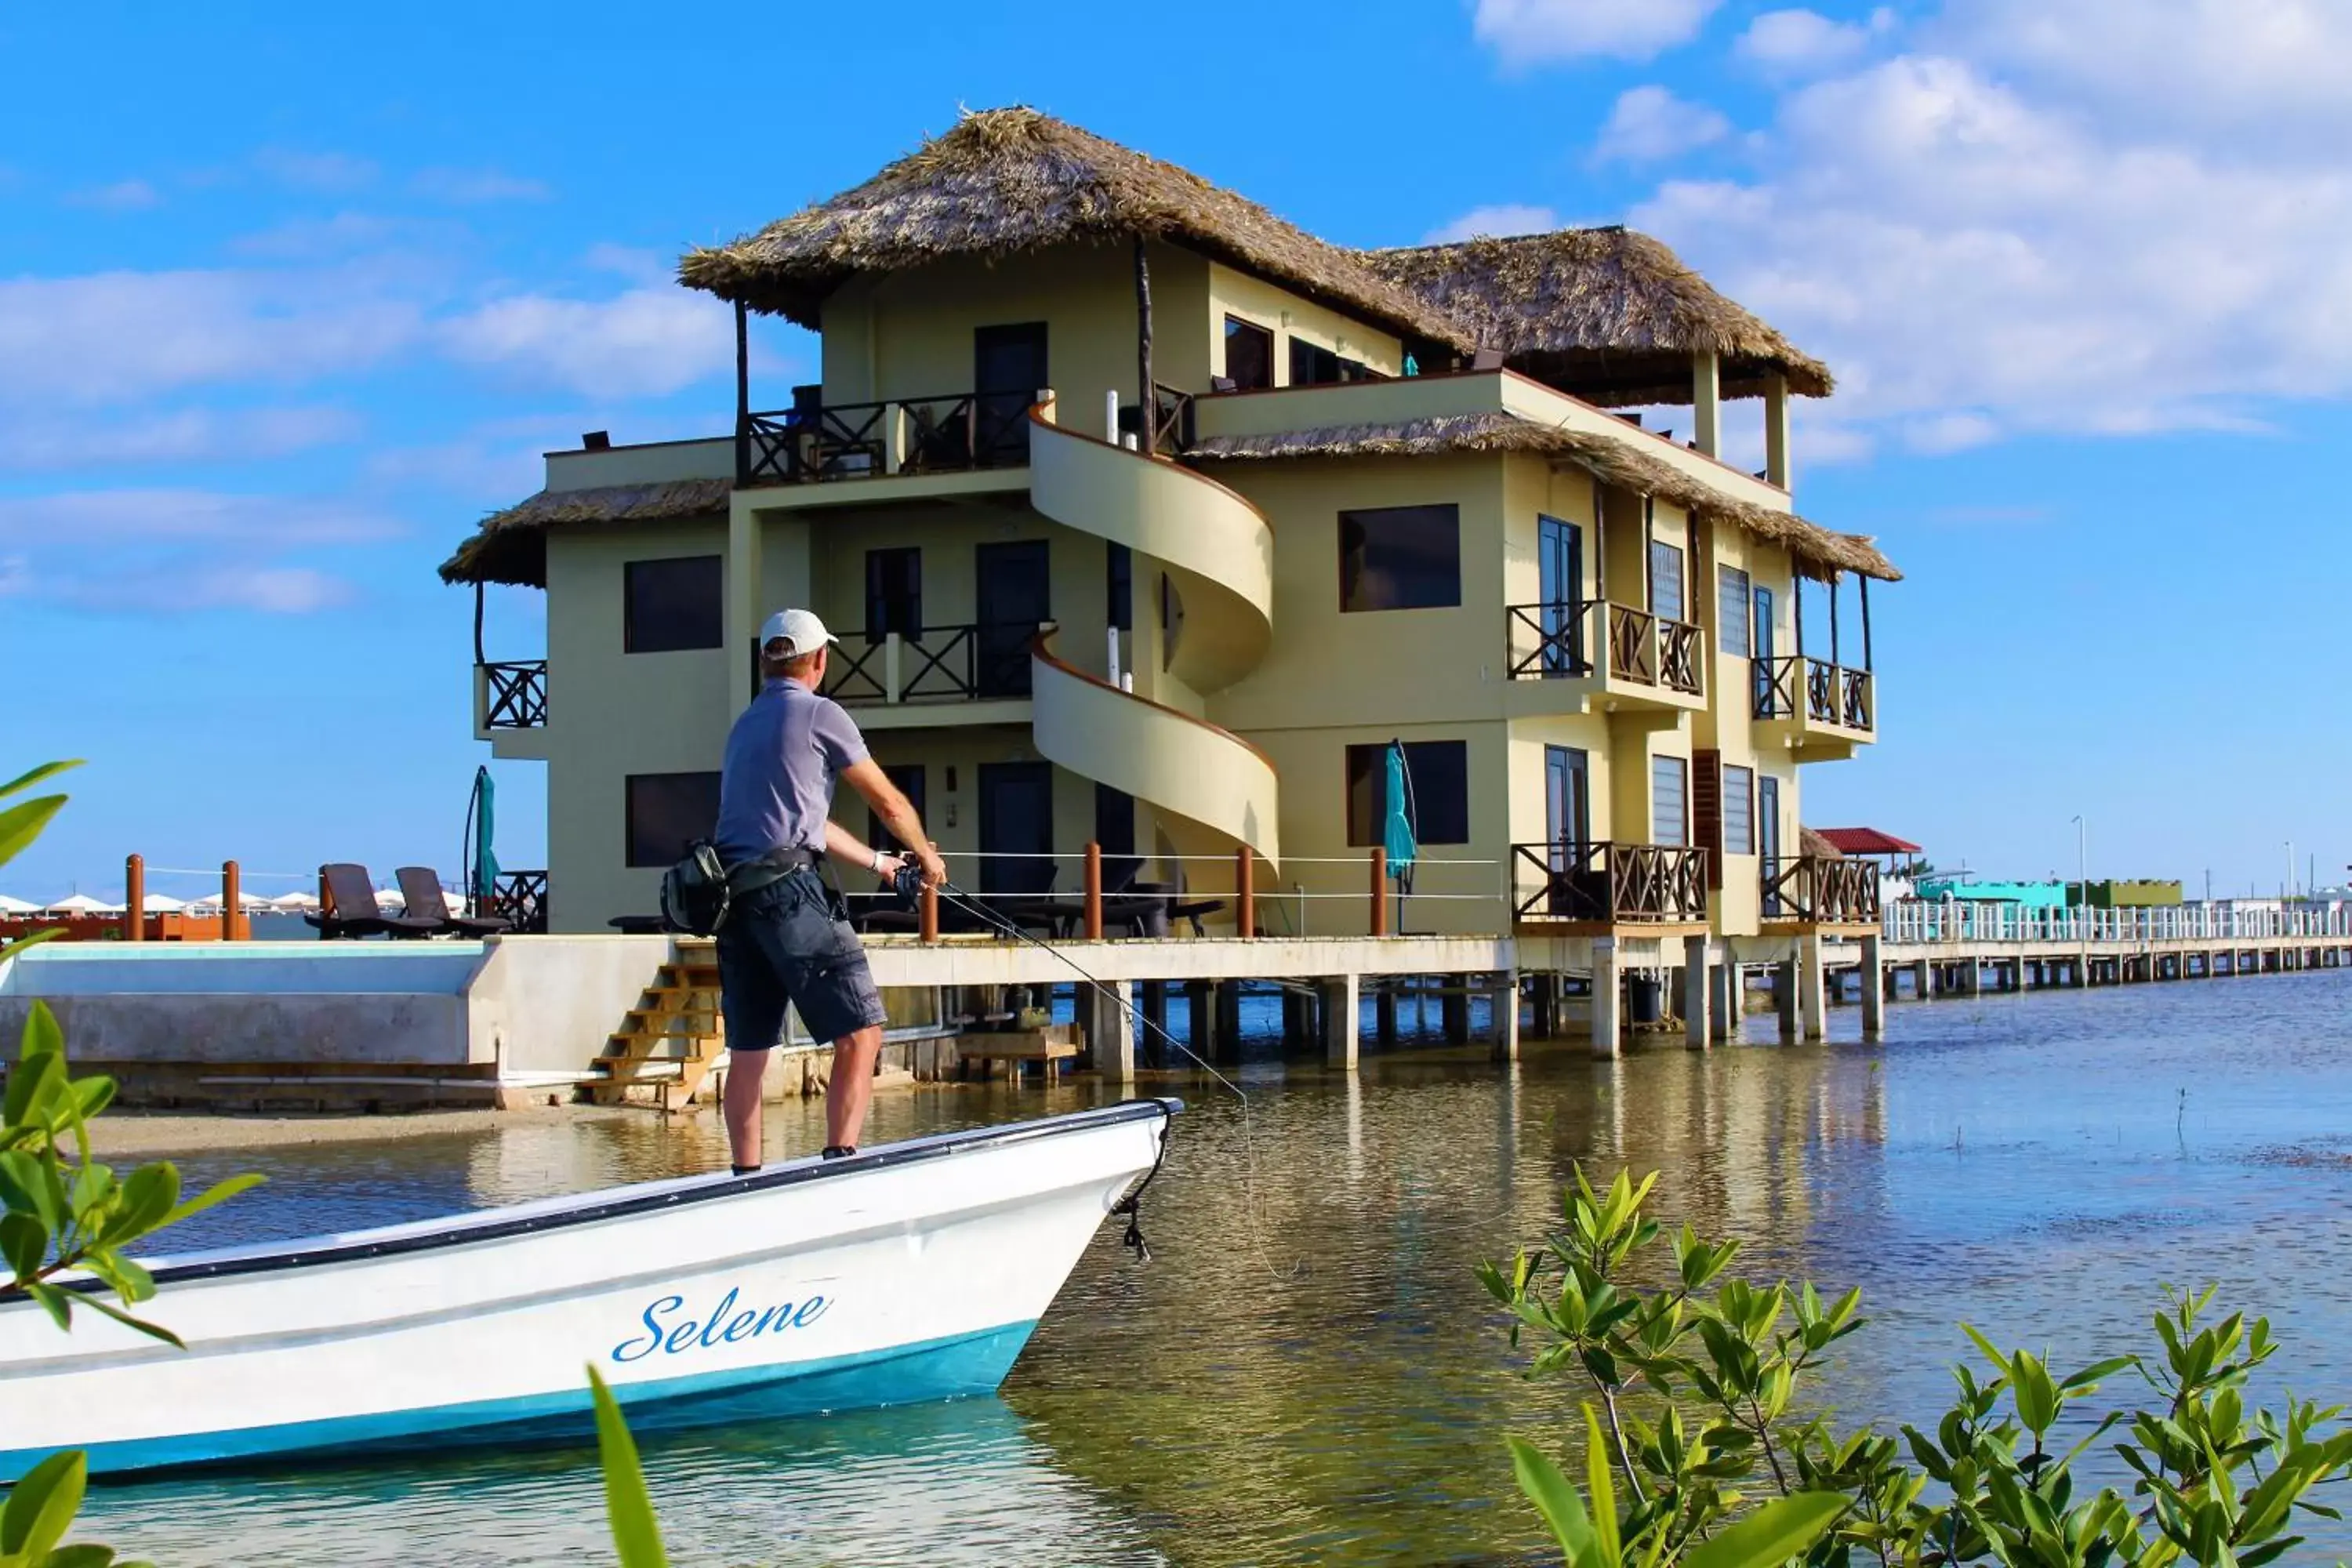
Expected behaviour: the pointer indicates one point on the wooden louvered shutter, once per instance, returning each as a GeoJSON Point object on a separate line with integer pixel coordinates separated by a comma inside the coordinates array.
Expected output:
{"type": "Point", "coordinates": [1707, 811]}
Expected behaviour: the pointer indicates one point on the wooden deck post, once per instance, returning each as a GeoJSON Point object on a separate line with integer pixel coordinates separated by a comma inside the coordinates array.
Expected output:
{"type": "Point", "coordinates": [1380, 891]}
{"type": "Point", "coordinates": [927, 913]}
{"type": "Point", "coordinates": [135, 899]}
{"type": "Point", "coordinates": [1094, 916]}
{"type": "Point", "coordinates": [1245, 892]}
{"type": "Point", "coordinates": [232, 900]}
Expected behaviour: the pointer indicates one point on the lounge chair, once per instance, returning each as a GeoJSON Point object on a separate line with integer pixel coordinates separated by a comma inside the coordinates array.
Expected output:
{"type": "Point", "coordinates": [347, 907]}
{"type": "Point", "coordinates": [420, 889]}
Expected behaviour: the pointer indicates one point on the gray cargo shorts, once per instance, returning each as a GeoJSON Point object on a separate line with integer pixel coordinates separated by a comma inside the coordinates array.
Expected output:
{"type": "Point", "coordinates": [781, 945]}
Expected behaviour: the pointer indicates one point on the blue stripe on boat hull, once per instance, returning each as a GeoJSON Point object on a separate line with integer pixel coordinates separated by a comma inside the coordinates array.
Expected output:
{"type": "Point", "coordinates": [908, 1374]}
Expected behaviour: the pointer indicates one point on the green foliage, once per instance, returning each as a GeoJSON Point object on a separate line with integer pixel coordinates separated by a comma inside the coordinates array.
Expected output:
{"type": "Point", "coordinates": [1695, 1417]}
{"type": "Point", "coordinates": [63, 1214]}
{"type": "Point", "coordinates": [630, 1507]}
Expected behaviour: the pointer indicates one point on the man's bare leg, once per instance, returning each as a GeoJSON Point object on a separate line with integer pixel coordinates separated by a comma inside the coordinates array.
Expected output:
{"type": "Point", "coordinates": [745, 1072]}
{"type": "Point", "coordinates": [851, 1087]}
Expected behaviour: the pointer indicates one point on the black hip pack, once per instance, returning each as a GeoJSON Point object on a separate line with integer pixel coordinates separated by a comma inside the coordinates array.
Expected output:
{"type": "Point", "coordinates": [698, 892]}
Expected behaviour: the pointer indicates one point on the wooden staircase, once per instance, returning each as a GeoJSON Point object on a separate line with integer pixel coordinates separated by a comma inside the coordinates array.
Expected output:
{"type": "Point", "coordinates": [668, 1043]}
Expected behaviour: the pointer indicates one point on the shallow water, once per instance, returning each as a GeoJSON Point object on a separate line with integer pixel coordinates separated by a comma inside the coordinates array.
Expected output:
{"type": "Point", "coordinates": [1308, 1370]}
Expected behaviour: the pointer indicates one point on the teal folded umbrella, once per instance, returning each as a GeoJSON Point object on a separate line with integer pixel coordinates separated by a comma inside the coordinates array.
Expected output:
{"type": "Point", "coordinates": [1397, 832]}
{"type": "Point", "coordinates": [482, 812]}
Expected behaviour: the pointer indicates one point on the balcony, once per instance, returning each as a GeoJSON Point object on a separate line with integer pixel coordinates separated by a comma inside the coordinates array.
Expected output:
{"type": "Point", "coordinates": [510, 709]}
{"type": "Point", "coordinates": [1620, 653]}
{"type": "Point", "coordinates": [1814, 707]}
{"type": "Point", "coordinates": [814, 441]}
{"type": "Point", "coordinates": [1819, 889]}
{"type": "Point", "coordinates": [1609, 884]}
{"type": "Point", "coordinates": [934, 676]}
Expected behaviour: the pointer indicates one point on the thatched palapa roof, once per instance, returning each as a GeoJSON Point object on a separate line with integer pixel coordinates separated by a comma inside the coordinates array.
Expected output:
{"type": "Point", "coordinates": [1009, 181]}
{"type": "Point", "coordinates": [1613, 313]}
{"type": "Point", "coordinates": [510, 546]}
{"type": "Point", "coordinates": [1618, 462]}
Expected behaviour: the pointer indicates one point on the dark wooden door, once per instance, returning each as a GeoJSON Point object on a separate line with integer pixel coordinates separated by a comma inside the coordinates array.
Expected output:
{"type": "Point", "coordinates": [1016, 818]}
{"type": "Point", "coordinates": [1014, 593]}
{"type": "Point", "coordinates": [1560, 573]}
{"type": "Point", "coordinates": [1767, 836]}
{"type": "Point", "coordinates": [1008, 368]}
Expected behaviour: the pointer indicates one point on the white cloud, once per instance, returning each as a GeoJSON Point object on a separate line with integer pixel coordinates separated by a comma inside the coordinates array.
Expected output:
{"type": "Point", "coordinates": [319, 238]}
{"type": "Point", "coordinates": [82, 521]}
{"type": "Point", "coordinates": [1977, 255]}
{"type": "Point", "coordinates": [1528, 32]}
{"type": "Point", "coordinates": [1504, 218]}
{"type": "Point", "coordinates": [121, 197]}
{"type": "Point", "coordinates": [114, 336]}
{"type": "Point", "coordinates": [645, 342]}
{"type": "Point", "coordinates": [34, 442]}
{"type": "Point", "coordinates": [474, 186]}
{"type": "Point", "coordinates": [1799, 41]}
{"type": "Point", "coordinates": [328, 172]}
{"type": "Point", "coordinates": [1650, 124]}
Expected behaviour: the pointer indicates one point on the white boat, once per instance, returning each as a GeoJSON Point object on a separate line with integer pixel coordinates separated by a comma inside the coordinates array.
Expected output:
{"type": "Point", "coordinates": [910, 1272]}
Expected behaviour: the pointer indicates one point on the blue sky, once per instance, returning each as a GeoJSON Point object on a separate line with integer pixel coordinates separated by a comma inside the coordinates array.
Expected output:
{"type": "Point", "coordinates": [294, 295]}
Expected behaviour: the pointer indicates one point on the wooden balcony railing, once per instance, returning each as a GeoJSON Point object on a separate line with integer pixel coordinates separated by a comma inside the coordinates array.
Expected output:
{"type": "Point", "coordinates": [1546, 641]}
{"type": "Point", "coordinates": [936, 664]}
{"type": "Point", "coordinates": [520, 898]}
{"type": "Point", "coordinates": [1633, 645]}
{"type": "Point", "coordinates": [813, 440]}
{"type": "Point", "coordinates": [515, 694]}
{"type": "Point", "coordinates": [1678, 648]}
{"type": "Point", "coordinates": [1830, 693]}
{"type": "Point", "coordinates": [1606, 883]}
{"type": "Point", "coordinates": [1820, 890]}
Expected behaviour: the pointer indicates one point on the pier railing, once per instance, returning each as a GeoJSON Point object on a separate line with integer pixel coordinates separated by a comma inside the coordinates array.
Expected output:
{"type": "Point", "coordinates": [1925, 922]}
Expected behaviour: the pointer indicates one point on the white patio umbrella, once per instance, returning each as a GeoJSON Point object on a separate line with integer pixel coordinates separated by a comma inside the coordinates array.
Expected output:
{"type": "Point", "coordinates": [246, 900]}
{"type": "Point", "coordinates": [83, 904]}
{"type": "Point", "coordinates": [388, 902]}
{"type": "Point", "coordinates": [9, 906]}
{"type": "Point", "coordinates": [295, 902]}
{"type": "Point", "coordinates": [162, 904]}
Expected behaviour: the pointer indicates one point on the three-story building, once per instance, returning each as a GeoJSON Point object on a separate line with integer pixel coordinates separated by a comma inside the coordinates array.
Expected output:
{"type": "Point", "coordinates": [1149, 520]}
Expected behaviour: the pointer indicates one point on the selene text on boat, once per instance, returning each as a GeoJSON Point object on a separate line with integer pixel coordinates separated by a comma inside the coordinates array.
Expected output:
{"type": "Point", "coordinates": [909, 1272]}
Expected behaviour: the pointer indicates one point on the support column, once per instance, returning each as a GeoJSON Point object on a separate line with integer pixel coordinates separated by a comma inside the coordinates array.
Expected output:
{"type": "Point", "coordinates": [1699, 968]}
{"type": "Point", "coordinates": [1779, 467]}
{"type": "Point", "coordinates": [1784, 999]}
{"type": "Point", "coordinates": [1923, 979]}
{"type": "Point", "coordinates": [1723, 999]}
{"type": "Point", "coordinates": [1200, 1019]}
{"type": "Point", "coordinates": [1228, 1021]}
{"type": "Point", "coordinates": [1339, 1021]}
{"type": "Point", "coordinates": [1874, 989]}
{"type": "Point", "coordinates": [1507, 1016]}
{"type": "Point", "coordinates": [740, 613]}
{"type": "Point", "coordinates": [1384, 1011]}
{"type": "Point", "coordinates": [1453, 1009]}
{"type": "Point", "coordinates": [1110, 1030]}
{"type": "Point", "coordinates": [1812, 992]}
{"type": "Point", "coordinates": [1155, 1012]}
{"type": "Point", "coordinates": [1706, 402]}
{"type": "Point", "coordinates": [1608, 996]}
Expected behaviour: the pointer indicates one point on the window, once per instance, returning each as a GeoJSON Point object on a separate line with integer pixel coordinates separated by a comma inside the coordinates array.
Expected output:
{"type": "Point", "coordinates": [894, 593]}
{"type": "Point", "coordinates": [1667, 581]}
{"type": "Point", "coordinates": [1739, 811]}
{"type": "Point", "coordinates": [666, 812]}
{"type": "Point", "coordinates": [908, 777]}
{"type": "Point", "coordinates": [1437, 790]}
{"type": "Point", "coordinates": [1732, 610]}
{"type": "Point", "coordinates": [1119, 587]}
{"type": "Point", "coordinates": [671, 604]}
{"type": "Point", "coordinates": [1401, 558]}
{"type": "Point", "coordinates": [1249, 354]}
{"type": "Point", "coordinates": [1669, 800]}
{"type": "Point", "coordinates": [1310, 365]}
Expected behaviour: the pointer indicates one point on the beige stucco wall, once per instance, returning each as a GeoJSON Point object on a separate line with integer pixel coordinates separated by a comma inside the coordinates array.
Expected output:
{"type": "Point", "coordinates": [1287, 316]}
{"type": "Point", "coordinates": [911, 334]}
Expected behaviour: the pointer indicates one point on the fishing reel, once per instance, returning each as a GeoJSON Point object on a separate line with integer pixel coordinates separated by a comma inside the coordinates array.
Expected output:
{"type": "Point", "coordinates": [907, 882]}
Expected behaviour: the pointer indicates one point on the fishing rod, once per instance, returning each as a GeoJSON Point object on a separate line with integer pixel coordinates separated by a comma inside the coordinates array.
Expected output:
{"type": "Point", "coordinates": [907, 884]}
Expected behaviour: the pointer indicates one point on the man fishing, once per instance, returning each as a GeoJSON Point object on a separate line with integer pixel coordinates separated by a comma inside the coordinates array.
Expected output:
{"type": "Point", "coordinates": [782, 943]}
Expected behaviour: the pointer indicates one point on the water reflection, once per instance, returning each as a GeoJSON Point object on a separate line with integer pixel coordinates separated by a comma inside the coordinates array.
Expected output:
{"type": "Point", "coordinates": [1308, 1372]}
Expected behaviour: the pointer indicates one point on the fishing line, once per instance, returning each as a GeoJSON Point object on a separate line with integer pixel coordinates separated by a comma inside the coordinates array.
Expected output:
{"type": "Point", "coordinates": [1005, 926]}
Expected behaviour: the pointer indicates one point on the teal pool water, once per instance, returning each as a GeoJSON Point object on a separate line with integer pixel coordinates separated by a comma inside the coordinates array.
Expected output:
{"type": "Point", "coordinates": [1308, 1372]}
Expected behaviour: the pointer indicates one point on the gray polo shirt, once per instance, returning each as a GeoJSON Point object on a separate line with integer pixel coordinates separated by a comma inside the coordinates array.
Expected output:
{"type": "Point", "coordinates": [775, 788]}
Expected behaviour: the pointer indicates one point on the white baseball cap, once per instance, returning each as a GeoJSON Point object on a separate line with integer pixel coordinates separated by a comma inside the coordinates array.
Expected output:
{"type": "Point", "coordinates": [801, 628]}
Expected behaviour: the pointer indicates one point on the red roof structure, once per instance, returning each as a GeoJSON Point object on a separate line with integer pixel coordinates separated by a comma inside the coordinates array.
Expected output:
{"type": "Point", "coordinates": [1866, 841]}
